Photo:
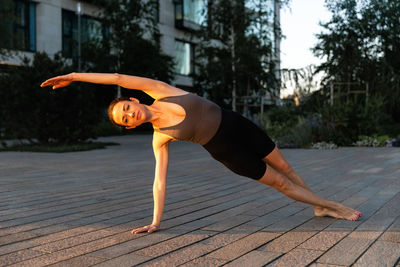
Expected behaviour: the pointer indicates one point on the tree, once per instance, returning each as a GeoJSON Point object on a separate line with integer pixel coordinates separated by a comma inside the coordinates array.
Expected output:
{"type": "Point", "coordinates": [303, 81]}
{"type": "Point", "coordinates": [132, 45]}
{"type": "Point", "coordinates": [361, 44]}
{"type": "Point", "coordinates": [7, 18]}
{"type": "Point", "coordinates": [234, 55]}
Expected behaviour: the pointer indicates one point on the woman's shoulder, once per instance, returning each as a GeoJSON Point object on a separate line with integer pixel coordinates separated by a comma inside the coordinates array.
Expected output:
{"type": "Point", "coordinates": [167, 90]}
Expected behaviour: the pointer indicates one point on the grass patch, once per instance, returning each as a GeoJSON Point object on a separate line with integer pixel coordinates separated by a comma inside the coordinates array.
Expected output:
{"type": "Point", "coordinates": [58, 148]}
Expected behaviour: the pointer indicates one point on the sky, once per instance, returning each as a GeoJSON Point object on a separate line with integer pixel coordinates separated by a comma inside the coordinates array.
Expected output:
{"type": "Point", "coordinates": [300, 23]}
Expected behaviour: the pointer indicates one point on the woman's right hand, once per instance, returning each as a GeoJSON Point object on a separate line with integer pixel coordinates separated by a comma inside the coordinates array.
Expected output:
{"type": "Point", "coordinates": [59, 81]}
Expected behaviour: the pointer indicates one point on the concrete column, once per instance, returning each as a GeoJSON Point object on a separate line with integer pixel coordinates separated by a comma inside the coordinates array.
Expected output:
{"type": "Point", "coordinates": [48, 27]}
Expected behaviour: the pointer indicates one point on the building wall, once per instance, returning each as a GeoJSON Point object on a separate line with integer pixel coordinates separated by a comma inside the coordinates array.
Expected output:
{"type": "Point", "coordinates": [169, 33]}
{"type": "Point", "coordinates": [49, 22]}
{"type": "Point", "coordinates": [49, 29]}
{"type": "Point", "coordinates": [48, 26]}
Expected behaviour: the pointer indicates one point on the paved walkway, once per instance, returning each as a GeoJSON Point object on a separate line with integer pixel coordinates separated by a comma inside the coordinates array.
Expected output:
{"type": "Point", "coordinates": [76, 209]}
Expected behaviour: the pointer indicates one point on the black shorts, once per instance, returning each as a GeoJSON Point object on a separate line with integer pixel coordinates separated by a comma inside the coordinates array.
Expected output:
{"type": "Point", "coordinates": [240, 145]}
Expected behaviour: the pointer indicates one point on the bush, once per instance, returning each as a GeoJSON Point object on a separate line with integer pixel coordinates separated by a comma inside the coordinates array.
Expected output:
{"type": "Point", "coordinates": [342, 123]}
{"type": "Point", "coordinates": [324, 145]}
{"type": "Point", "coordinates": [374, 141]}
{"type": "Point", "coordinates": [392, 129]}
{"type": "Point", "coordinates": [279, 119]}
{"type": "Point", "coordinates": [287, 127]}
{"type": "Point", "coordinates": [300, 135]}
{"type": "Point", "coordinates": [105, 128]}
{"type": "Point", "coordinates": [67, 115]}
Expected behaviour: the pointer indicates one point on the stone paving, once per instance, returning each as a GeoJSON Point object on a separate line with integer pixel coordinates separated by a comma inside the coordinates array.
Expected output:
{"type": "Point", "coordinates": [76, 209]}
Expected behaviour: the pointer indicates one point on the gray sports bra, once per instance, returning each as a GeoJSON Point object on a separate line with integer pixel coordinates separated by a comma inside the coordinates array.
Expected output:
{"type": "Point", "coordinates": [202, 120]}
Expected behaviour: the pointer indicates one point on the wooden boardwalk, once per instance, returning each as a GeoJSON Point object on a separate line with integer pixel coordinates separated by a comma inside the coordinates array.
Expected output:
{"type": "Point", "coordinates": [76, 209]}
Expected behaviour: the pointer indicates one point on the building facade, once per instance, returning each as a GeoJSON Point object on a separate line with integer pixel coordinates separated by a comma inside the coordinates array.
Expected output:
{"type": "Point", "coordinates": [51, 26]}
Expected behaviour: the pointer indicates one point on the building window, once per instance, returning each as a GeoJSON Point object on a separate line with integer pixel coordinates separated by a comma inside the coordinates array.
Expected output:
{"type": "Point", "coordinates": [156, 10]}
{"type": "Point", "coordinates": [189, 14]}
{"type": "Point", "coordinates": [91, 29]}
{"type": "Point", "coordinates": [184, 58]}
{"type": "Point", "coordinates": [20, 27]}
{"type": "Point", "coordinates": [69, 33]}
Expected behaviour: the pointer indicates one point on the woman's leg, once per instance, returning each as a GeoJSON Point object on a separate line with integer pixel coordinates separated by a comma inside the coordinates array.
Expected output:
{"type": "Point", "coordinates": [294, 187]}
{"type": "Point", "coordinates": [279, 163]}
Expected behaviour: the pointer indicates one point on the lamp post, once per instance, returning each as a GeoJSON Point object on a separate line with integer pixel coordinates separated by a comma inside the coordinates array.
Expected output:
{"type": "Point", "coordinates": [233, 59]}
{"type": "Point", "coordinates": [79, 11]}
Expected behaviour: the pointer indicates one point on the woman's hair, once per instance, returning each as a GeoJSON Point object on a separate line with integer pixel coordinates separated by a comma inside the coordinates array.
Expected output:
{"type": "Point", "coordinates": [111, 107]}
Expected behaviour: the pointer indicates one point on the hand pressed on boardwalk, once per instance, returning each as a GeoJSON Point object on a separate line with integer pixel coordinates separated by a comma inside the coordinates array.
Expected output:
{"type": "Point", "coordinates": [230, 138]}
{"type": "Point", "coordinates": [148, 228]}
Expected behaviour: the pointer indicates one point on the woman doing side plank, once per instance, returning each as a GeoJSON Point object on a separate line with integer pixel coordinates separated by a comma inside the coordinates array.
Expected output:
{"type": "Point", "coordinates": [238, 143]}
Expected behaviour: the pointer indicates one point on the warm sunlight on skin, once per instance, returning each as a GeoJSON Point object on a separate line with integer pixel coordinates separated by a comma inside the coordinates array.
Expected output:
{"type": "Point", "coordinates": [183, 106]}
{"type": "Point", "coordinates": [128, 113]}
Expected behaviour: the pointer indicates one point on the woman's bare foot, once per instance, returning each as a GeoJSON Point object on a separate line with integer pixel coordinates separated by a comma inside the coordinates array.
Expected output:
{"type": "Point", "coordinates": [337, 211]}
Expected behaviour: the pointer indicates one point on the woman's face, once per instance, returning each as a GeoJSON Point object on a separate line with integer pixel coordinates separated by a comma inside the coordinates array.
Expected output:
{"type": "Point", "coordinates": [129, 113]}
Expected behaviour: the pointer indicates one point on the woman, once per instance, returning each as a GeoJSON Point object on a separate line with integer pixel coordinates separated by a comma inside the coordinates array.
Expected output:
{"type": "Point", "coordinates": [230, 138]}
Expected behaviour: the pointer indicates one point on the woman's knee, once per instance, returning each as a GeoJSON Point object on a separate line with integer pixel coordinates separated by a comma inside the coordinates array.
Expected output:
{"type": "Point", "coordinates": [284, 166]}
{"type": "Point", "coordinates": [276, 159]}
{"type": "Point", "coordinates": [282, 183]}
{"type": "Point", "coordinates": [275, 179]}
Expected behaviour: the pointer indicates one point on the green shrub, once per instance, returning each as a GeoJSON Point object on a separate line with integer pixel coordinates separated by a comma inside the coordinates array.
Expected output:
{"type": "Point", "coordinates": [279, 119]}
{"type": "Point", "coordinates": [66, 115]}
{"type": "Point", "coordinates": [342, 123]}
{"type": "Point", "coordinates": [299, 135]}
{"type": "Point", "coordinates": [374, 141]}
{"type": "Point", "coordinates": [287, 127]}
{"type": "Point", "coordinates": [391, 129]}
{"type": "Point", "coordinates": [324, 145]}
{"type": "Point", "coordinates": [105, 128]}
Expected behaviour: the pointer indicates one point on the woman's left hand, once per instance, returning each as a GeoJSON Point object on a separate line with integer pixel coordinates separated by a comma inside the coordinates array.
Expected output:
{"type": "Point", "coordinates": [148, 228]}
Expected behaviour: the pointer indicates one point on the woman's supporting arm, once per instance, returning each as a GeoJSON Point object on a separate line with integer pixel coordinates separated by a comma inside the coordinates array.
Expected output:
{"type": "Point", "coordinates": [161, 153]}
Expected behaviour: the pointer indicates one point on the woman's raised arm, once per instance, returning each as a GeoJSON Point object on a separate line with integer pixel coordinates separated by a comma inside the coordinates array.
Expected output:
{"type": "Point", "coordinates": [154, 88]}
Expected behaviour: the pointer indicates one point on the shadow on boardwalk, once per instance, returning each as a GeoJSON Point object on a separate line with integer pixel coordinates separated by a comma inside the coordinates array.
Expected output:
{"type": "Point", "coordinates": [76, 209]}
